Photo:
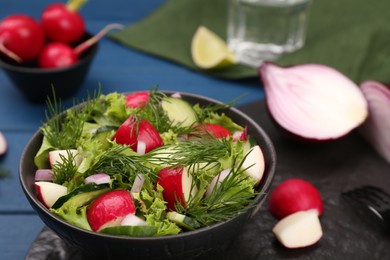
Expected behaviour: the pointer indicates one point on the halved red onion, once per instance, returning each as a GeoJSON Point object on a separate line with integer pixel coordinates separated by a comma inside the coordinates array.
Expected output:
{"type": "Point", "coordinates": [44, 175]}
{"type": "Point", "coordinates": [138, 183]}
{"type": "Point", "coordinates": [313, 101]}
{"type": "Point", "coordinates": [98, 178]}
{"type": "Point", "coordinates": [3, 144]}
{"type": "Point", "coordinates": [376, 128]}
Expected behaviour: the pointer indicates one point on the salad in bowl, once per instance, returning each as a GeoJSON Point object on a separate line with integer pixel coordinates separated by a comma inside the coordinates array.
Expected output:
{"type": "Point", "coordinates": [146, 165]}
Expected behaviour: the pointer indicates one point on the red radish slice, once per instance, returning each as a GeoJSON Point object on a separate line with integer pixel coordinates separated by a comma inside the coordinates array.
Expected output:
{"type": "Point", "coordinates": [215, 130]}
{"type": "Point", "coordinates": [57, 156]}
{"type": "Point", "coordinates": [21, 37]}
{"type": "Point", "coordinates": [216, 182]}
{"type": "Point", "coordinates": [137, 99]}
{"type": "Point", "coordinates": [300, 229]}
{"type": "Point", "coordinates": [48, 193]}
{"type": "Point", "coordinates": [132, 220]}
{"type": "Point", "coordinates": [62, 22]}
{"type": "Point", "coordinates": [141, 147]}
{"type": "Point", "coordinates": [294, 195]}
{"type": "Point", "coordinates": [44, 175]}
{"type": "Point", "coordinates": [254, 163]}
{"type": "Point", "coordinates": [129, 133]}
{"type": "Point", "coordinates": [376, 129]}
{"type": "Point", "coordinates": [109, 209]}
{"type": "Point", "coordinates": [313, 101]}
{"type": "Point", "coordinates": [177, 184]}
{"type": "Point", "coordinates": [3, 144]}
{"type": "Point", "coordinates": [98, 178]}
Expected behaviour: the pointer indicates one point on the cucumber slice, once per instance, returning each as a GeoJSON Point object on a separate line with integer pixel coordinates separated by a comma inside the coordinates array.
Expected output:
{"type": "Point", "coordinates": [183, 221]}
{"type": "Point", "coordinates": [179, 111]}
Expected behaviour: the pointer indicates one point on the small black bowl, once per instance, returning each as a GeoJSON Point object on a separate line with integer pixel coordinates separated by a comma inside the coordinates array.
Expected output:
{"type": "Point", "coordinates": [205, 243]}
{"type": "Point", "coordinates": [36, 84]}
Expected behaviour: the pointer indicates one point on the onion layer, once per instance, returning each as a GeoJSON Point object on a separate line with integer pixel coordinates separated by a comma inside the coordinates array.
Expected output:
{"type": "Point", "coordinates": [313, 101]}
{"type": "Point", "coordinates": [376, 128]}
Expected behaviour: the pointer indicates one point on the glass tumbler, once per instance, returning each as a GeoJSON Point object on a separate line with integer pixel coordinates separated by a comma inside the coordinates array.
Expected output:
{"type": "Point", "coordinates": [260, 30]}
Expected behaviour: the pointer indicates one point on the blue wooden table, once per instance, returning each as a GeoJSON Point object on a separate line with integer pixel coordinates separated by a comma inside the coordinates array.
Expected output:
{"type": "Point", "coordinates": [115, 68]}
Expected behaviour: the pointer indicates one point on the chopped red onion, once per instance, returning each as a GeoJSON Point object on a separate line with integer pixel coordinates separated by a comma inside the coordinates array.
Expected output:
{"type": "Point", "coordinates": [376, 129]}
{"type": "Point", "coordinates": [141, 147]}
{"type": "Point", "coordinates": [98, 178]}
{"type": "Point", "coordinates": [44, 175]}
{"type": "Point", "coordinates": [313, 101]}
{"type": "Point", "coordinates": [138, 183]}
{"type": "Point", "coordinates": [176, 95]}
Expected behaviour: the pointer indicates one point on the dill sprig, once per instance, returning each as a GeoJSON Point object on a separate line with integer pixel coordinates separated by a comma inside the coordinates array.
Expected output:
{"type": "Point", "coordinates": [191, 152]}
{"type": "Point", "coordinates": [65, 170]}
{"type": "Point", "coordinates": [63, 128]}
{"type": "Point", "coordinates": [227, 200]}
{"type": "Point", "coordinates": [119, 159]}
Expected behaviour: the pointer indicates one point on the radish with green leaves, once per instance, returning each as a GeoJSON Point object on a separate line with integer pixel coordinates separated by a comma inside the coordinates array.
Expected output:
{"type": "Point", "coordinates": [62, 22]}
{"type": "Point", "coordinates": [21, 38]}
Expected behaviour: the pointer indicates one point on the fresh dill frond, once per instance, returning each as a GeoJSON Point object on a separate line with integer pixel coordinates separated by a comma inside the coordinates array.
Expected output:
{"type": "Point", "coordinates": [122, 160]}
{"type": "Point", "coordinates": [65, 170]}
{"type": "Point", "coordinates": [228, 199]}
{"type": "Point", "coordinates": [63, 128]}
{"type": "Point", "coordinates": [191, 152]}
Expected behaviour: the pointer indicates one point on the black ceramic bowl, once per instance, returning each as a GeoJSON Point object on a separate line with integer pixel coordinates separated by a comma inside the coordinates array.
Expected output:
{"type": "Point", "coordinates": [36, 84]}
{"type": "Point", "coordinates": [204, 243]}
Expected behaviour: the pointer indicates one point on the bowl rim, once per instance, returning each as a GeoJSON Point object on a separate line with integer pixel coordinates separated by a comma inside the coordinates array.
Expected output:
{"type": "Point", "coordinates": [24, 69]}
{"type": "Point", "coordinates": [256, 202]}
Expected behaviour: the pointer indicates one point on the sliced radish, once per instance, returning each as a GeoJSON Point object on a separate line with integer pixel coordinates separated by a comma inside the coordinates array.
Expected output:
{"type": "Point", "coordinates": [141, 147]}
{"type": "Point", "coordinates": [216, 182]}
{"type": "Point", "coordinates": [376, 129]}
{"type": "Point", "coordinates": [57, 156]}
{"type": "Point", "coordinates": [109, 209]}
{"type": "Point", "coordinates": [313, 101]}
{"type": "Point", "coordinates": [300, 229]}
{"type": "Point", "coordinates": [98, 178]}
{"type": "Point", "coordinates": [241, 135]}
{"type": "Point", "coordinates": [137, 99]}
{"type": "Point", "coordinates": [178, 186]}
{"type": "Point", "coordinates": [254, 163]}
{"type": "Point", "coordinates": [132, 220]}
{"type": "Point", "coordinates": [215, 130]}
{"type": "Point", "coordinates": [44, 175]}
{"type": "Point", "coordinates": [48, 192]}
{"type": "Point", "coordinates": [132, 133]}
{"type": "Point", "coordinates": [3, 144]}
{"type": "Point", "coordinates": [295, 195]}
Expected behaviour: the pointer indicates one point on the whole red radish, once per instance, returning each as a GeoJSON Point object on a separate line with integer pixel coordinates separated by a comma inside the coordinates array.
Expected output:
{"type": "Point", "coordinates": [137, 99]}
{"type": "Point", "coordinates": [59, 55]}
{"type": "Point", "coordinates": [140, 135]}
{"type": "Point", "coordinates": [21, 37]}
{"type": "Point", "coordinates": [215, 130]}
{"type": "Point", "coordinates": [294, 195]}
{"type": "Point", "coordinates": [109, 209]}
{"type": "Point", "coordinates": [62, 22]}
{"type": "Point", "coordinates": [177, 184]}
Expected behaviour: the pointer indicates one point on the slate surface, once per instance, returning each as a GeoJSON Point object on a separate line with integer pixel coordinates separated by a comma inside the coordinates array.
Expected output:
{"type": "Point", "coordinates": [333, 168]}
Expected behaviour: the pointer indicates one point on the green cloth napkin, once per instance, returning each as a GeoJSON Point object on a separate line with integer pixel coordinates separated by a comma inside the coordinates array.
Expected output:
{"type": "Point", "coordinates": [352, 36]}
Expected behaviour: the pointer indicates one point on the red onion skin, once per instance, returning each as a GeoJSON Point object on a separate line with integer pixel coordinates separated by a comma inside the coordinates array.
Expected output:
{"type": "Point", "coordinates": [375, 129]}
{"type": "Point", "coordinates": [294, 136]}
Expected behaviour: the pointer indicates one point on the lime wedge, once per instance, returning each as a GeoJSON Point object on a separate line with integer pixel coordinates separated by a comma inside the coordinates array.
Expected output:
{"type": "Point", "coordinates": [209, 51]}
